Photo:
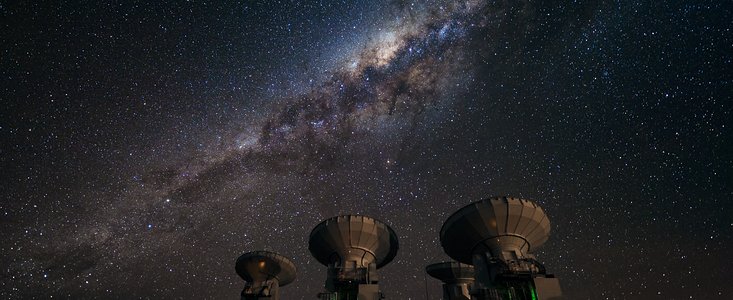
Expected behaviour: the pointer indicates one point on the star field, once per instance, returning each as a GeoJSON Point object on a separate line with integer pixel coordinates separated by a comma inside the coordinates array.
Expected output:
{"type": "Point", "coordinates": [145, 146]}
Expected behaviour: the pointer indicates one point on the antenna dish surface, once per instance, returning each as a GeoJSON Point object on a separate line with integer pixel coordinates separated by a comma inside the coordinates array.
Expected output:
{"type": "Point", "coordinates": [353, 238]}
{"type": "Point", "coordinates": [494, 225]}
{"type": "Point", "coordinates": [451, 271]}
{"type": "Point", "coordinates": [258, 266]}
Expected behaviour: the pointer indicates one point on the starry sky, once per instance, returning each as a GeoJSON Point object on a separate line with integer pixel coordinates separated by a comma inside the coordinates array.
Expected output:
{"type": "Point", "coordinates": [145, 146]}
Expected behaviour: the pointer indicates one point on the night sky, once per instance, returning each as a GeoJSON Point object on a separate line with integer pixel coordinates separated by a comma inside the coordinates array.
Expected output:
{"type": "Point", "coordinates": [145, 146]}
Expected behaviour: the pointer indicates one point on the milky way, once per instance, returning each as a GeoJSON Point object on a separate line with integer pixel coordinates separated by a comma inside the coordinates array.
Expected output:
{"type": "Point", "coordinates": [166, 140]}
